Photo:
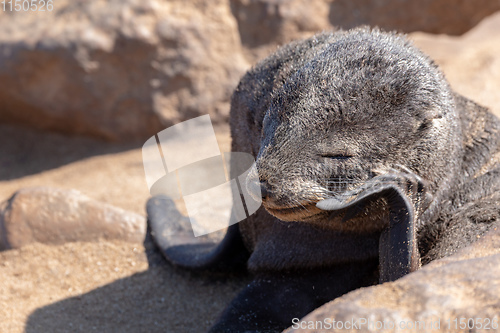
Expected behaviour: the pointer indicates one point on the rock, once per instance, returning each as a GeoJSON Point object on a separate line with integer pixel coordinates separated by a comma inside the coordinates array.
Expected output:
{"type": "Point", "coordinates": [277, 21]}
{"type": "Point", "coordinates": [470, 62]}
{"type": "Point", "coordinates": [124, 70]}
{"type": "Point", "coordinates": [465, 285]}
{"type": "Point", "coordinates": [54, 216]}
{"type": "Point", "coordinates": [264, 21]}
{"type": "Point", "coordinates": [119, 70]}
{"type": "Point", "coordinates": [434, 16]}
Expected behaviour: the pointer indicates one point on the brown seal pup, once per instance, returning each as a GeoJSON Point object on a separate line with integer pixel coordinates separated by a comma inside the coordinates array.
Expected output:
{"type": "Point", "coordinates": [366, 161]}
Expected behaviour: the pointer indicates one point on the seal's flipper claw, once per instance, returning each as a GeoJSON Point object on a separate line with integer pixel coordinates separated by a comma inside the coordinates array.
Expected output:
{"type": "Point", "coordinates": [330, 204]}
{"type": "Point", "coordinates": [173, 235]}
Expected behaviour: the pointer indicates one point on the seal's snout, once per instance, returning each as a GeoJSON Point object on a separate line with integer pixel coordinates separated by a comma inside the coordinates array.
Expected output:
{"type": "Point", "coordinates": [267, 193]}
{"type": "Point", "coordinates": [259, 187]}
{"type": "Point", "coordinates": [253, 184]}
{"type": "Point", "coordinates": [265, 190]}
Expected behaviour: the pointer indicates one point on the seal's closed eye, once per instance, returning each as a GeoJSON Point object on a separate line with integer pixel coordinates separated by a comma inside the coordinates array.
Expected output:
{"type": "Point", "coordinates": [336, 156]}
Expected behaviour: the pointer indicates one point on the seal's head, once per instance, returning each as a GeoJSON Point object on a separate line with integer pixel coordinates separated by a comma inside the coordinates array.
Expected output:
{"type": "Point", "coordinates": [369, 100]}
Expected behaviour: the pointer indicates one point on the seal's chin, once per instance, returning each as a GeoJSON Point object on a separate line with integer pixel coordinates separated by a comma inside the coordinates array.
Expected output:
{"type": "Point", "coordinates": [303, 213]}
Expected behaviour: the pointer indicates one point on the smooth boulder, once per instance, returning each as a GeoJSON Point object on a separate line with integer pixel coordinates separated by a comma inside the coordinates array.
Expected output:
{"type": "Point", "coordinates": [54, 216]}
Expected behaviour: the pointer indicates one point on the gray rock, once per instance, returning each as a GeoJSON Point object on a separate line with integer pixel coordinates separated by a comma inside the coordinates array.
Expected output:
{"type": "Point", "coordinates": [120, 70]}
{"type": "Point", "coordinates": [264, 21]}
{"type": "Point", "coordinates": [54, 216]}
{"type": "Point", "coordinates": [465, 285]}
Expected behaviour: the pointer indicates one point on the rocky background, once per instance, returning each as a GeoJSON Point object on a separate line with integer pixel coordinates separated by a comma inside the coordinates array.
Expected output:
{"type": "Point", "coordinates": [124, 70]}
{"type": "Point", "coordinates": [84, 85]}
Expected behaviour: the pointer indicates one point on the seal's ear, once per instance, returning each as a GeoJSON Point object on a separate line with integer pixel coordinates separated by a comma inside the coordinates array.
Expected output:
{"type": "Point", "coordinates": [398, 248]}
{"type": "Point", "coordinates": [172, 233]}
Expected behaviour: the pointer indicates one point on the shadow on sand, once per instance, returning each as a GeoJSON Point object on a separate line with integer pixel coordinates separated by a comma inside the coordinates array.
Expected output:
{"type": "Point", "coordinates": [161, 299]}
{"type": "Point", "coordinates": [25, 151]}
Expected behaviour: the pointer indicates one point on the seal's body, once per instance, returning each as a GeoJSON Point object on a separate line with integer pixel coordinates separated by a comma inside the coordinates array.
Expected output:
{"type": "Point", "coordinates": [366, 161]}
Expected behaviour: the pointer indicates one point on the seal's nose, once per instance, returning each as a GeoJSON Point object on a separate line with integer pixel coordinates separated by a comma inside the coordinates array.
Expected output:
{"type": "Point", "coordinates": [264, 190]}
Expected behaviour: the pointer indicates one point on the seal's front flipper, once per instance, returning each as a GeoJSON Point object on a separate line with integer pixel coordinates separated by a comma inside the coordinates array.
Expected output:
{"type": "Point", "coordinates": [398, 247]}
{"type": "Point", "coordinates": [172, 233]}
{"type": "Point", "coordinates": [404, 192]}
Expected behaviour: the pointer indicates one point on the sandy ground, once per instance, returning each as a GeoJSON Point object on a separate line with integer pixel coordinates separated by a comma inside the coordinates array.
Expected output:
{"type": "Point", "coordinates": [96, 287]}
{"type": "Point", "coordinates": [121, 287]}
{"type": "Point", "coordinates": [105, 287]}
